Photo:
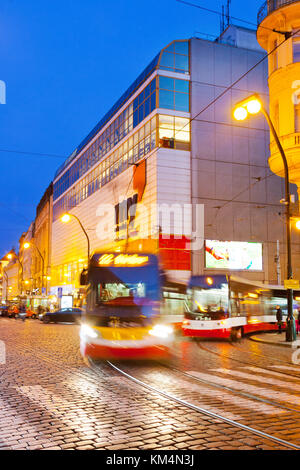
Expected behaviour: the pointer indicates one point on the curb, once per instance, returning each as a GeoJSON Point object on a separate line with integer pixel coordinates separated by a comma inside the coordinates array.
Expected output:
{"type": "Point", "coordinates": [258, 340]}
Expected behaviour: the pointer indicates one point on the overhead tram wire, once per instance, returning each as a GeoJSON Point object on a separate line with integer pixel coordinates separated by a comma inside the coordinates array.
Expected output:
{"type": "Point", "coordinates": [34, 154]}
{"type": "Point", "coordinates": [291, 35]}
{"type": "Point", "coordinates": [238, 80]}
{"type": "Point", "coordinates": [250, 23]}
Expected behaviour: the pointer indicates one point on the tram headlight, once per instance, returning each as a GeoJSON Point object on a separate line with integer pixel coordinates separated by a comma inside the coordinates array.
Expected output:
{"type": "Point", "coordinates": [88, 331]}
{"type": "Point", "coordinates": [161, 331]}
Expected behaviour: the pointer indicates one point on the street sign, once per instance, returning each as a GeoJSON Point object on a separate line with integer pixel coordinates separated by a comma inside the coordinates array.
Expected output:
{"type": "Point", "coordinates": [59, 292]}
{"type": "Point", "coordinates": [292, 284]}
{"type": "Point", "coordinates": [43, 290]}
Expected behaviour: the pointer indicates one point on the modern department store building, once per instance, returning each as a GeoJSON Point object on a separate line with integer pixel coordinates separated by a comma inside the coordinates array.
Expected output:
{"type": "Point", "coordinates": [165, 147]}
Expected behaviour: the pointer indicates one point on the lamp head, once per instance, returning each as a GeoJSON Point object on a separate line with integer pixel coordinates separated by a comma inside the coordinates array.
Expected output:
{"type": "Point", "coordinates": [66, 218]}
{"type": "Point", "coordinates": [251, 105]}
{"type": "Point", "coordinates": [26, 245]}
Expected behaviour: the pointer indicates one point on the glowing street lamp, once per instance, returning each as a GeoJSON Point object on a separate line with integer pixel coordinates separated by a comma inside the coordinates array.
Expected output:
{"type": "Point", "coordinates": [251, 106]}
{"type": "Point", "coordinates": [66, 219]}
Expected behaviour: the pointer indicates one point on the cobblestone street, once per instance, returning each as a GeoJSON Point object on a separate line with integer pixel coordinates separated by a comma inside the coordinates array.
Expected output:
{"type": "Point", "coordinates": [50, 399]}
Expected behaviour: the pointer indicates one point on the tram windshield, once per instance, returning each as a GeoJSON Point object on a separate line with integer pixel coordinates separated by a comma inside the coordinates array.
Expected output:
{"type": "Point", "coordinates": [209, 303]}
{"type": "Point", "coordinates": [126, 293]}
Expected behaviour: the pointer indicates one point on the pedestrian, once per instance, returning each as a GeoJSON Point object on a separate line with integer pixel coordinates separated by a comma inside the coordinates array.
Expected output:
{"type": "Point", "coordinates": [279, 318]}
{"type": "Point", "coordinates": [298, 321]}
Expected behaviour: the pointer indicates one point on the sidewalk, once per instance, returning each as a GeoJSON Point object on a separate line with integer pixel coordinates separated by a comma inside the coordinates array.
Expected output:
{"type": "Point", "coordinates": [272, 338]}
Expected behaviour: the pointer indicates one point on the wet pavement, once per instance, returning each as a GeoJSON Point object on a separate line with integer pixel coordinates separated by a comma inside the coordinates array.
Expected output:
{"type": "Point", "coordinates": [51, 399]}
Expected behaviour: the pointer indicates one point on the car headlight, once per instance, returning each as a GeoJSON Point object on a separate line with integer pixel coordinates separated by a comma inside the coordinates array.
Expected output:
{"type": "Point", "coordinates": [161, 331]}
{"type": "Point", "coordinates": [88, 331]}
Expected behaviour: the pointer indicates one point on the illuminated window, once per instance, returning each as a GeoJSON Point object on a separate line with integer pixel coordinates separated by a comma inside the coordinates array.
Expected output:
{"type": "Point", "coordinates": [174, 132]}
{"type": "Point", "coordinates": [297, 118]}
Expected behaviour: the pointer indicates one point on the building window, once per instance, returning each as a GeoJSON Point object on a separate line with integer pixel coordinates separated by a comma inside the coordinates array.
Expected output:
{"type": "Point", "coordinates": [174, 132]}
{"type": "Point", "coordinates": [174, 94]}
{"type": "Point", "coordinates": [175, 57]}
{"type": "Point", "coordinates": [274, 56]}
{"type": "Point", "coordinates": [276, 117]}
{"type": "Point", "coordinates": [296, 50]}
{"type": "Point", "coordinates": [297, 118]}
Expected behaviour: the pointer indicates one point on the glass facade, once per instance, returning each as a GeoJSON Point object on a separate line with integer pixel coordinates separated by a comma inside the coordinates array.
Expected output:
{"type": "Point", "coordinates": [174, 94]}
{"type": "Point", "coordinates": [162, 130]}
{"type": "Point", "coordinates": [142, 106]}
{"type": "Point", "coordinates": [175, 58]}
{"type": "Point", "coordinates": [166, 92]}
{"type": "Point", "coordinates": [134, 149]}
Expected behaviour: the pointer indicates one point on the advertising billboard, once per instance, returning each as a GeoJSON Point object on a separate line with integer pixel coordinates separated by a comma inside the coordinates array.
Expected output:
{"type": "Point", "coordinates": [240, 256]}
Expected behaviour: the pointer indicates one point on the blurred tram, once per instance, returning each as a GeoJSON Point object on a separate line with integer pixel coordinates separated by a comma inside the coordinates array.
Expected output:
{"type": "Point", "coordinates": [123, 318]}
{"type": "Point", "coordinates": [230, 307]}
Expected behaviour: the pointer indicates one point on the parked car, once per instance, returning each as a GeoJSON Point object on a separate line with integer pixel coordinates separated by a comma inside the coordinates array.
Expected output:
{"type": "Point", "coordinates": [68, 315]}
{"type": "Point", "coordinates": [3, 311]}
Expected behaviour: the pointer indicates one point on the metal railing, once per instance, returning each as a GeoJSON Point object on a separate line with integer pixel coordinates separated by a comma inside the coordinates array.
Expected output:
{"type": "Point", "coordinates": [271, 5]}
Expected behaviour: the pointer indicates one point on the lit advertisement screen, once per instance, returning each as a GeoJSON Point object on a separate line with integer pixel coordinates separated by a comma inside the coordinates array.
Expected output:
{"type": "Point", "coordinates": [240, 256]}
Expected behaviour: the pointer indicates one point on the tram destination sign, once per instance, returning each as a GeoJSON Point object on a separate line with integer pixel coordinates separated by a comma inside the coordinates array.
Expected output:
{"type": "Point", "coordinates": [121, 260]}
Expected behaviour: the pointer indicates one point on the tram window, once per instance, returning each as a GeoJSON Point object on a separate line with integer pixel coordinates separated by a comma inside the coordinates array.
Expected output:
{"type": "Point", "coordinates": [108, 292]}
{"type": "Point", "coordinates": [210, 303]}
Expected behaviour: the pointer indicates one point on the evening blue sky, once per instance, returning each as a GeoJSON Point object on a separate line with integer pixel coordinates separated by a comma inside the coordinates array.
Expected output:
{"type": "Point", "coordinates": [65, 63]}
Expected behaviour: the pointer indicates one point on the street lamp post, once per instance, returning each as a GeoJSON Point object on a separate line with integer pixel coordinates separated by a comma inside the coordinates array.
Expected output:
{"type": "Point", "coordinates": [254, 105]}
{"type": "Point", "coordinates": [26, 246]}
{"type": "Point", "coordinates": [66, 218]}
{"type": "Point", "coordinates": [6, 279]}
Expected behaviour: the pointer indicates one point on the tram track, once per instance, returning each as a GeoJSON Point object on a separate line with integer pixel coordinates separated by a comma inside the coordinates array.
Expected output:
{"type": "Point", "coordinates": [253, 364]}
{"type": "Point", "coordinates": [254, 353]}
{"type": "Point", "coordinates": [53, 359]}
{"type": "Point", "coordinates": [204, 411]}
{"type": "Point", "coordinates": [230, 389]}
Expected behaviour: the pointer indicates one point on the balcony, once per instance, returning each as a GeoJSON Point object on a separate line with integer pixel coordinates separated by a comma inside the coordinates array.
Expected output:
{"type": "Point", "coordinates": [271, 5]}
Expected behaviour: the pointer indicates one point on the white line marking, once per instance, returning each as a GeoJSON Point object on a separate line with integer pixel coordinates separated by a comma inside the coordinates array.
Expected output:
{"type": "Point", "coordinates": [294, 369]}
{"type": "Point", "coordinates": [259, 378]}
{"type": "Point", "coordinates": [259, 391]}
